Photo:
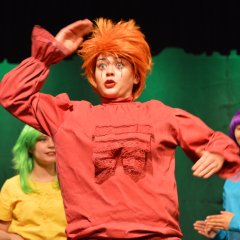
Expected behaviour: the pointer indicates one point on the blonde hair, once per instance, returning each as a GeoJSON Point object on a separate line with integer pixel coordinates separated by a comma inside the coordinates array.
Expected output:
{"type": "Point", "coordinates": [123, 39]}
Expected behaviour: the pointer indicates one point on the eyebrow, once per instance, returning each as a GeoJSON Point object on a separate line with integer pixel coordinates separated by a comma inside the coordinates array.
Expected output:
{"type": "Point", "coordinates": [105, 59]}
{"type": "Point", "coordinates": [99, 59]}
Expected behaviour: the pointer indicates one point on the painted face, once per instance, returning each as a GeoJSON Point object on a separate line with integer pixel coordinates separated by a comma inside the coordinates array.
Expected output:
{"type": "Point", "coordinates": [237, 134]}
{"type": "Point", "coordinates": [44, 151]}
{"type": "Point", "coordinates": [114, 77]}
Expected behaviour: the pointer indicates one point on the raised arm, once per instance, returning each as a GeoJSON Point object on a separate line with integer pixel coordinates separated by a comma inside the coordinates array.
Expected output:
{"type": "Point", "coordinates": [19, 89]}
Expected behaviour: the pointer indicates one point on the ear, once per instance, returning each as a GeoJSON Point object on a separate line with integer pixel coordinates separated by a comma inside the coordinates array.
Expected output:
{"type": "Point", "coordinates": [136, 80]}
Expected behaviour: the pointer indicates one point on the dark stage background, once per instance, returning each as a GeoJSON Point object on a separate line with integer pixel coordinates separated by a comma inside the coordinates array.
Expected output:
{"type": "Point", "coordinates": [195, 26]}
{"type": "Point", "coordinates": [195, 47]}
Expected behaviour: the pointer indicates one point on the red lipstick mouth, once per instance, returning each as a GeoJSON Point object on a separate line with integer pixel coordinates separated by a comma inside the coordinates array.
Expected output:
{"type": "Point", "coordinates": [109, 83]}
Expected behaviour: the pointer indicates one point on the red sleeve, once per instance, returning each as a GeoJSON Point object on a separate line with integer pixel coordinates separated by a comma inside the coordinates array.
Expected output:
{"type": "Point", "coordinates": [19, 89]}
{"type": "Point", "coordinates": [195, 136]}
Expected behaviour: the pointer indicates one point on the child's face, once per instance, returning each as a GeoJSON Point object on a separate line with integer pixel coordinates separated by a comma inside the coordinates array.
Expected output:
{"type": "Point", "coordinates": [237, 134]}
{"type": "Point", "coordinates": [114, 77]}
{"type": "Point", "coordinates": [44, 151]}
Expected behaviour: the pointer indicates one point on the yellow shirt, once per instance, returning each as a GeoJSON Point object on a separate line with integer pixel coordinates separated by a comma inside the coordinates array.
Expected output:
{"type": "Point", "coordinates": [34, 216]}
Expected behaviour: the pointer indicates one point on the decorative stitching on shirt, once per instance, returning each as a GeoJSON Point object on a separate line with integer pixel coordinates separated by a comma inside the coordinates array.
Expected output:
{"type": "Point", "coordinates": [125, 145]}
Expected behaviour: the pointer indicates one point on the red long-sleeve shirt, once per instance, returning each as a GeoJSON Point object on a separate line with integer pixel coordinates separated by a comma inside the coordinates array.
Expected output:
{"type": "Point", "coordinates": [116, 160]}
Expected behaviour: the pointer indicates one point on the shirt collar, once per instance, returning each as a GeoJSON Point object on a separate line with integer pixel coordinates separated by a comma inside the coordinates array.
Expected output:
{"type": "Point", "coordinates": [117, 100]}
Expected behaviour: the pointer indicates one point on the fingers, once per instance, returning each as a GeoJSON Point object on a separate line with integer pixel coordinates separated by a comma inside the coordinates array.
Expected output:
{"type": "Point", "coordinates": [199, 225]}
{"type": "Point", "coordinates": [80, 23]}
{"type": "Point", "coordinates": [198, 166]}
{"type": "Point", "coordinates": [72, 35]}
{"type": "Point", "coordinates": [203, 229]}
{"type": "Point", "coordinates": [220, 217]}
{"type": "Point", "coordinates": [80, 27]}
{"type": "Point", "coordinates": [205, 171]}
{"type": "Point", "coordinates": [207, 165]}
{"type": "Point", "coordinates": [221, 221]}
{"type": "Point", "coordinates": [214, 223]}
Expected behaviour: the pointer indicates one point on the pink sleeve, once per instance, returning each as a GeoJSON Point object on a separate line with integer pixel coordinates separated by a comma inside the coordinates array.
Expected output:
{"type": "Point", "coordinates": [19, 89]}
{"type": "Point", "coordinates": [195, 136]}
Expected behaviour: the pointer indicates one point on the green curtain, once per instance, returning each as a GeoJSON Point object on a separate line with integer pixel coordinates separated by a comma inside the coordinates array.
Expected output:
{"type": "Point", "coordinates": [204, 85]}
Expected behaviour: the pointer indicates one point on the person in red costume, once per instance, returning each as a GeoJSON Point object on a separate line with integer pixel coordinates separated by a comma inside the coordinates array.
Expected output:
{"type": "Point", "coordinates": [115, 160]}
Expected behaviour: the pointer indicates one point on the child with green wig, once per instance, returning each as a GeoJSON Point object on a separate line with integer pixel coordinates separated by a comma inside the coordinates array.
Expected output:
{"type": "Point", "coordinates": [31, 205]}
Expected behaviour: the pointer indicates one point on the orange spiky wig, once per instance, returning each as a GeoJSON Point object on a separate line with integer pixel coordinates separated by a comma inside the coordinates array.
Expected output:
{"type": "Point", "coordinates": [123, 39]}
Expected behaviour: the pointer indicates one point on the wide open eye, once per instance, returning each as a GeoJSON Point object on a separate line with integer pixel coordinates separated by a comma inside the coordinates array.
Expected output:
{"type": "Point", "coordinates": [101, 66]}
{"type": "Point", "coordinates": [119, 65]}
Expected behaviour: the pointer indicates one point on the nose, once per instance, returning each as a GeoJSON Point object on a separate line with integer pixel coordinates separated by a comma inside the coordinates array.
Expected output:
{"type": "Point", "coordinates": [50, 143]}
{"type": "Point", "coordinates": [110, 70]}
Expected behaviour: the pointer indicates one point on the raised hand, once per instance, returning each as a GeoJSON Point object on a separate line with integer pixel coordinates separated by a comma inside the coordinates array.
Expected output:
{"type": "Point", "coordinates": [72, 35]}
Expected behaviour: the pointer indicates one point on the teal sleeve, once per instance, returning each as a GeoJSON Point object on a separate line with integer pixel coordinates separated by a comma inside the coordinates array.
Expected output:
{"type": "Point", "coordinates": [235, 223]}
{"type": "Point", "coordinates": [221, 235]}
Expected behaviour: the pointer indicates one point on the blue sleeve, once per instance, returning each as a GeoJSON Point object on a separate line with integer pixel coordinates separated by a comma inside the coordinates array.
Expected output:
{"type": "Point", "coordinates": [221, 235]}
{"type": "Point", "coordinates": [235, 223]}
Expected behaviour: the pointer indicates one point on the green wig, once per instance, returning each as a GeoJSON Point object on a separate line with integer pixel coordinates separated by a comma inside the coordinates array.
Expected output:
{"type": "Point", "coordinates": [23, 160]}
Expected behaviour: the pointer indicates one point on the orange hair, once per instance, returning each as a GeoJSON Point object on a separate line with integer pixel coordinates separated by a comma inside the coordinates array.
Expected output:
{"type": "Point", "coordinates": [123, 39]}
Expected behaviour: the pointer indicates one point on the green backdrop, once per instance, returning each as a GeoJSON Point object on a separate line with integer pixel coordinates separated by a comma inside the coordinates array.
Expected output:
{"type": "Point", "coordinates": [206, 86]}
